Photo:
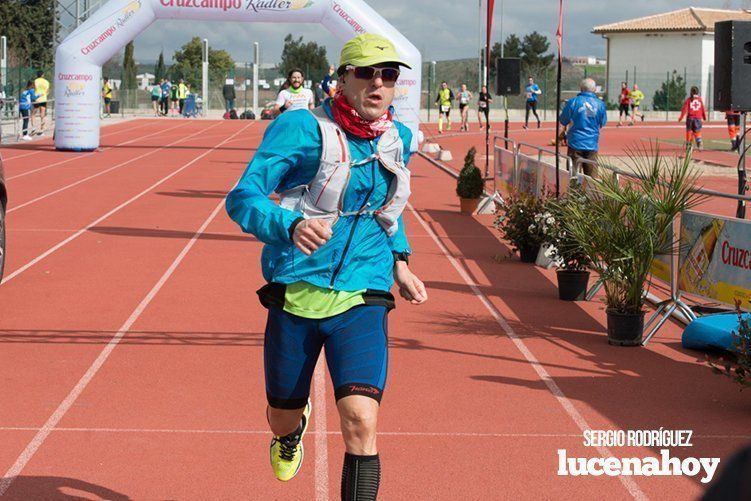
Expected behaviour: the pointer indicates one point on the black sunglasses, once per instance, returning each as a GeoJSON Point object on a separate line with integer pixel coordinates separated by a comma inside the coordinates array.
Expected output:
{"type": "Point", "coordinates": [369, 72]}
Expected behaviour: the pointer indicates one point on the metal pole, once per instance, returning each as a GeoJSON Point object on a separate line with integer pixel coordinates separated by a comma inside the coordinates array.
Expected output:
{"type": "Point", "coordinates": [480, 43]}
{"type": "Point", "coordinates": [205, 77]}
{"type": "Point", "coordinates": [741, 211]}
{"type": "Point", "coordinates": [78, 13]}
{"type": "Point", "coordinates": [667, 98]}
{"type": "Point", "coordinates": [245, 87]}
{"type": "Point", "coordinates": [256, 63]}
{"type": "Point", "coordinates": [431, 78]}
{"type": "Point", "coordinates": [3, 63]}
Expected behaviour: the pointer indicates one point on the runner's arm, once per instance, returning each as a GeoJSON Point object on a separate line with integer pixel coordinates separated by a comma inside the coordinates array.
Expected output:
{"type": "Point", "coordinates": [399, 242]}
{"type": "Point", "coordinates": [684, 110]}
{"type": "Point", "coordinates": [289, 143]}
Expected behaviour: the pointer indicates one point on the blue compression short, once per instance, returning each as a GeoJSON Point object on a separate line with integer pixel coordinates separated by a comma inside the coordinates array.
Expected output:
{"type": "Point", "coordinates": [356, 344]}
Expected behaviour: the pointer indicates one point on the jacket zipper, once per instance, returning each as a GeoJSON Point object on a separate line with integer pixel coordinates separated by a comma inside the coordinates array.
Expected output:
{"type": "Point", "coordinates": [354, 225]}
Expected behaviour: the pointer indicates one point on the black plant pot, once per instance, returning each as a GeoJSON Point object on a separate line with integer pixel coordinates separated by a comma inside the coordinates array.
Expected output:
{"type": "Point", "coordinates": [625, 329]}
{"type": "Point", "coordinates": [528, 254]}
{"type": "Point", "coordinates": [572, 284]}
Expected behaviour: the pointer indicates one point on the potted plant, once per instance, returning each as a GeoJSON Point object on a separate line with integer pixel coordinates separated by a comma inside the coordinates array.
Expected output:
{"type": "Point", "coordinates": [572, 261]}
{"type": "Point", "coordinates": [520, 219]}
{"type": "Point", "coordinates": [470, 184]}
{"type": "Point", "coordinates": [624, 225]}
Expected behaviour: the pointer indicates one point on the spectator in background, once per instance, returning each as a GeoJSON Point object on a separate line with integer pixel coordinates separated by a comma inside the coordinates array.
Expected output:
{"type": "Point", "coordinates": [695, 113]}
{"type": "Point", "coordinates": [295, 96]}
{"type": "Point", "coordinates": [532, 90]}
{"type": "Point", "coordinates": [318, 94]}
{"type": "Point", "coordinates": [584, 116]}
{"type": "Point", "coordinates": [156, 94]}
{"type": "Point", "coordinates": [41, 88]}
{"type": "Point", "coordinates": [182, 94]}
{"type": "Point", "coordinates": [174, 99]}
{"type": "Point", "coordinates": [28, 97]}
{"type": "Point", "coordinates": [326, 83]}
{"type": "Point", "coordinates": [228, 93]}
{"type": "Point", "coordinates": [166, 89]}
{"type": "Point", "coordinates": [107, 95]}
{"type": "Point", "coordinates": [624, 103]}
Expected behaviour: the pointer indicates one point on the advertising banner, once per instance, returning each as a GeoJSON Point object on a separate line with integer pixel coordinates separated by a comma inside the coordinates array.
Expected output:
{"type": "Point", "coordinates": [715, 258]}
{"type": "Point", "coordinates": [505, 176]}
{"type": "Point", "coordinates": [528, 174]}
{"type": "Point", "coordinates": [79, 58]}
{"type": "Point", "coordinates": [546, 178]}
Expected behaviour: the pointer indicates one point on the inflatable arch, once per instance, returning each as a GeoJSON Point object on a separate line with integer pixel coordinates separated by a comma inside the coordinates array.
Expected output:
{"type": "Point", "coordinates": [79, 58]}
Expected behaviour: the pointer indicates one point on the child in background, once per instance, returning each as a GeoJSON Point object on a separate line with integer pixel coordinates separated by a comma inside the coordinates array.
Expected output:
{"type": "Point", "coordinates": [695, 113]}
{"type": "Point", "coordinates": [734, 128]}
{"type": "Point", "coordinates": [25, 104]}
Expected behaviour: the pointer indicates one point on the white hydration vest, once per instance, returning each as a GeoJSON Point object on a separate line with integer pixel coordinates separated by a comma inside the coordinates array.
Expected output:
{"type": "Point", "coordinates": [322, 198]}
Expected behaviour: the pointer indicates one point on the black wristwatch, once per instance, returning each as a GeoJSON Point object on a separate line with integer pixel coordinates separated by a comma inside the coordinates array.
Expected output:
{"type": "Point", "coordinates": [401, 256]}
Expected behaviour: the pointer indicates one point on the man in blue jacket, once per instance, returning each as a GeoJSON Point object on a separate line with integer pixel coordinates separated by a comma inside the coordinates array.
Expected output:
{"type": "Point", "coordinates": [334, 247]}
{"type": "Point", "coordinates": [587, 115]}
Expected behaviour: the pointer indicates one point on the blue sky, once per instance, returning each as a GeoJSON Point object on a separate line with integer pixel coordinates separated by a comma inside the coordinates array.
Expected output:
{"type": "Point", "coordinates": [441, 29]}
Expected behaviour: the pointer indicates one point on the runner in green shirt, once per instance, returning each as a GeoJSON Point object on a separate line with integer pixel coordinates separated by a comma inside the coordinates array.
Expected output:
{"type": "Point", "coordinates": [637, 97]}
{"type": "Point", "coordinates": [444, 99]}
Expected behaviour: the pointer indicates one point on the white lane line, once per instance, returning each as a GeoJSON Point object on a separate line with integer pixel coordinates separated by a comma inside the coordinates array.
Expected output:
{"type": "Point", "coordinates": [101, 173]}
{"type": "Point", "coordinates": [191, 431]}
{"type": "Point", "coordinates": [322, 454]}
{"type": "Point", "coordinates": [573, 413]}
{"type": "Point", "coordinates": [79, 157]}
{"type": "Point", "coordinates": [83, 230]}
{"type": "Point", "coordinates": [66, 404]}
{"type": "Point", "coordinates": [5, 159]}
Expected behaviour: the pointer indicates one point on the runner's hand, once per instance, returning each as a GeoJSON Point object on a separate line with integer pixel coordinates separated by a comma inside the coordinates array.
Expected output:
{"type": "Point", "coordinates": [411, 288]}
{"type": "Point", "coordinates": [311, 234]}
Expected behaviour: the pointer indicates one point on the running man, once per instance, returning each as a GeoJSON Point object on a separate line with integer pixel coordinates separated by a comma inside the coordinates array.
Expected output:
{"type": "Point", "coordinates": [636, 97]}
{"type": "Point", "coordinates": [41, 89]}
{"type": "Point", "coordinates": [464, 98]}
{"type": "Point", "coordinates": [734, 128]}
{"type": "Point", "coordinates": [294, 96]}
{"type": "Point", "coordinates": [695, 113]}
{"type": "Point", "coordinates": [483, 106]}
{"type": "Point", "coordinates": [444, 99]}
{"type": "Point", "coordinates": [330, 260]}
{"type": "Point", "coordinates": [107, 96]}
{"type": "Point", "coordinates": [624, 103]}
{"type": "Point", "coordinates": [532, 91]}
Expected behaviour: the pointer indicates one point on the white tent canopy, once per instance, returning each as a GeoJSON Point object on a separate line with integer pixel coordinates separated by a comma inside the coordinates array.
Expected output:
{"type": "Point", "coordinates": [79, 58]}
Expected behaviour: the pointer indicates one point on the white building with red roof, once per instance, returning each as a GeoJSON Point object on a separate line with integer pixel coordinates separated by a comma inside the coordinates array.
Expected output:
{"type": "Point", "coordinates": [647, 49]}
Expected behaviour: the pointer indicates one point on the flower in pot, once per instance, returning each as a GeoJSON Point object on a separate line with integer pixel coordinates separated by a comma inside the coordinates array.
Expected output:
{"type": "Point", "coordinates": [572, 273]}
{"type": "Point", "coordinates": [521, 219]}
{"type": "Point", "coordinates": [470, 184]}
{"type": "Point", "coordinates": [624, 225]}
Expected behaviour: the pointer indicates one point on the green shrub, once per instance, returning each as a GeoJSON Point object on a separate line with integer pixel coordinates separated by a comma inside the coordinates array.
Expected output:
{"type": "Point", "coordinates": [470, 183]}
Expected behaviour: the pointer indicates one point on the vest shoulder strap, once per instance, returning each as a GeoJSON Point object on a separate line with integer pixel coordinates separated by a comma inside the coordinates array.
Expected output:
{"type": "Point", "coordinates": [334, 146]}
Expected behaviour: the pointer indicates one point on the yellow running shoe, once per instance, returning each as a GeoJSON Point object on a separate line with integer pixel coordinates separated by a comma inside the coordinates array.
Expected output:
{"type": "Point", "coordinates": [287, 452]}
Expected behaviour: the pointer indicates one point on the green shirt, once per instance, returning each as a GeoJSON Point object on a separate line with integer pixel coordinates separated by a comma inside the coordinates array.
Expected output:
{"type": "Point", "coordinates": [309, 301]}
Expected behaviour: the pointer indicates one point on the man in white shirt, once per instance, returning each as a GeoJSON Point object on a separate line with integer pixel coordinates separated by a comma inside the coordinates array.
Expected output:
{"type": "Point", "coordinates": [293, 96]}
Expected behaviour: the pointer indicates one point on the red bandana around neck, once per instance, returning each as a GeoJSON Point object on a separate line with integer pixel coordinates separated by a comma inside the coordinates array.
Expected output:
{"type": "Point", "coordinates": [352, 123]}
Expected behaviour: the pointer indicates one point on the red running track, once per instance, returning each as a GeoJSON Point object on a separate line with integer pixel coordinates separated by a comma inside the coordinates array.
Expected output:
{"type": "Point", "coordinates": [131, 347]}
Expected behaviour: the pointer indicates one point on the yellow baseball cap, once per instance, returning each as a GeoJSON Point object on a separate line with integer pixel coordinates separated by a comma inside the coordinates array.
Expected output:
{"type": "Point", "coordinates": [369, 49]}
